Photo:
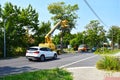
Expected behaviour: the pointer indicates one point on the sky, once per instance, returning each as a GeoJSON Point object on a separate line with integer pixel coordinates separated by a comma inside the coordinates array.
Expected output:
{"type": "Point", "coordinates": [107, 10]}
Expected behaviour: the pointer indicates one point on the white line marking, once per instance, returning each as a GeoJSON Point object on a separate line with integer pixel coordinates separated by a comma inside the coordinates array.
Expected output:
{"type": "Point", "coordinates": [81, 67]}
{"type": "Point", "coordinates": [77, 61]}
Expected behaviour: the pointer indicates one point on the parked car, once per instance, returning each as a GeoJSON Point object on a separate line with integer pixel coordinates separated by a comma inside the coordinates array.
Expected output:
{"type": "Point", "coordinates": [83, 48]}
{"type": "Point", "coordinates": [40, 53]}
{"type": "Point", "coordinates": [94, 49]}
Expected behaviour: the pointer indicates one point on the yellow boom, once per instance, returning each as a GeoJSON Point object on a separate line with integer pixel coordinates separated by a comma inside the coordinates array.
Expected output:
{"type": "Point", "coordinates": [48, 41]}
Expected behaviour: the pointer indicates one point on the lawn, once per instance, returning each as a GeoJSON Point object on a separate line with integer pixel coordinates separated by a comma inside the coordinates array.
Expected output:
{"type": "Point", "coordinates": [51, 74]}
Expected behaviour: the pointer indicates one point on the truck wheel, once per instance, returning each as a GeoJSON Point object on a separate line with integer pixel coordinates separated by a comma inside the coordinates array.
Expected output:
{"type": "Point", "coordinates": [58, 52]}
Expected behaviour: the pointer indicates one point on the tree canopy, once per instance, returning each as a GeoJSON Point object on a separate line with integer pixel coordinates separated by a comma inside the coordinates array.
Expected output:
{"type": "Point", "coordinates": [16, 22]}
{"type": "Point", "coordinates": [114, 35]}
{"type": "Point", "coordinates": [61, 11]}
{"type": "Point", "coordinates": [95, 33]}
{"type": "Point", "coordinates": [41, 32]}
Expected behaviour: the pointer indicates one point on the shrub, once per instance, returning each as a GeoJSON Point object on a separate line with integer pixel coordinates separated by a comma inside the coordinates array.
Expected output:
{"type": "Point", "coordinates": [16, 51]}
{"type": "Point", "coordinates": [109, 63]}
{"type": "Point", "coordinates": [106, 51]}
{"type": "Point", "coordinates": [102, 50]}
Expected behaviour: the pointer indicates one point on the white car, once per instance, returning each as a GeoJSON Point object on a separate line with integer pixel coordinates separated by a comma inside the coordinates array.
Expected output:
{"type": "Point", "coordinates": [40, 53]}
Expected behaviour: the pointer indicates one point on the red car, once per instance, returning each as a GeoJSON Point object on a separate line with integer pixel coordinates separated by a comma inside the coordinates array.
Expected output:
{"type": "Point", "coordinates": [83, 48]}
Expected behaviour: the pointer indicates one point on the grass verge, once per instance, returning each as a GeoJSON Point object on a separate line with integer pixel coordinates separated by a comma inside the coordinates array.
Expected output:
{"type": "Point", "coordinates": [51, 74]}
{"type": "Point", "coordinates": [105, 51]}
{"type": "Point", "coordinates": [69, 50]}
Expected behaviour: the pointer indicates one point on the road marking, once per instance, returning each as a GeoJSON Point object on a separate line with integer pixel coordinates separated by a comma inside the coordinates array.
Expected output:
{"type": "Point", "coordinates": [77, 61]}
{"type": "Point", "coordinates": [81, 67]}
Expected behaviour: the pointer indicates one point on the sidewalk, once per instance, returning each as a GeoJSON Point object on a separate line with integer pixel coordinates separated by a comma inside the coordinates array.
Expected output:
{"type": "Point", "coordinates": [92, 73]}
{"type": "Point", "coordinates": [117, 54]}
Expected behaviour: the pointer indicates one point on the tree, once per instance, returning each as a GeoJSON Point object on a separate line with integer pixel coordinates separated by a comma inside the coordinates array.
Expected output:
{"type": "Point", "coordinates": [67, 37]}
{"type": "Point", "coordinates": [41, 32]}
{"type": "Point", "coordinates": [56, 39]}
{"type": "Point", "coordinates": [1, 31]}
{"type": "Point", "coordinates": [64, 12]}
{"type": "Point", "coordinates": [77, 40]}
{"type": "Point", "coordinates": [95, 34]}
{"type": "Point", "coordinates": [17, 22]}
{"type": "Point", "coordinates": [61, 11]}
{"type": "Point", "coordinates": [114, 35]}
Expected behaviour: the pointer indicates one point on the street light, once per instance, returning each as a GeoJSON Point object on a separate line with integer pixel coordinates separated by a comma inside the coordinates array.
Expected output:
{"type": "Point", "coordinates": [5, 20]}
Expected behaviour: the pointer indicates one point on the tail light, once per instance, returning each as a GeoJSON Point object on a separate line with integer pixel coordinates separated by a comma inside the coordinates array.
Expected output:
{"type": "Point", "coordinates": [36, 52]}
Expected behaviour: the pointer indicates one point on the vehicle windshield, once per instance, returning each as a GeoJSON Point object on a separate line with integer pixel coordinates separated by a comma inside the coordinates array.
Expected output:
{"type": "Point", "coordinates": [82, 46]}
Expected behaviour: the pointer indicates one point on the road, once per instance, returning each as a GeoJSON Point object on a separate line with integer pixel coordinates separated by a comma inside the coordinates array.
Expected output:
{"type": "Point", "coordinates": [21, 64]}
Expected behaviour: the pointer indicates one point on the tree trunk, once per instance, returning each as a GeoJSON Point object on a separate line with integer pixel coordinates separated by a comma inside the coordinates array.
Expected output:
{"type": "Point", "coordinates": [112, 44]}
{"type": "Point", "coordinates": [118, 44]}
{"type": "Point", "coordinates": [61, 41]}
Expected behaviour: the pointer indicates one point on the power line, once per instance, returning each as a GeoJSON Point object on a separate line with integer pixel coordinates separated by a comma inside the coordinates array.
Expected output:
{"type": "Point", "coordinates": [94, 12]}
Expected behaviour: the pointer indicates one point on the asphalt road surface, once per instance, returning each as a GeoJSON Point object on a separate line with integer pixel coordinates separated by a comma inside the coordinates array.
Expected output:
{"type": "Point", "coordinates": [21, 64]}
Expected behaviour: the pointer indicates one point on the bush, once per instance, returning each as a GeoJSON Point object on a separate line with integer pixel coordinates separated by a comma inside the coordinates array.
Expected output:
{"type": "Point", "coordinates": [102, 50]}
{"type": "Point", "coordinates": [16, 51]}
{"type": "Point", "coordinates": [70, 50]}
{"type": "Point", "coordinates": [109, 63]}
{"type": "Point", "coordinates": [19, 51]}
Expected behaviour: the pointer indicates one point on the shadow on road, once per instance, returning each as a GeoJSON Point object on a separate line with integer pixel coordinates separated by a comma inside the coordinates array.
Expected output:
{"type": "Point", "coordinates": [51, 59]}
{"type": "Point", "coordinates": [47, 60]}
{"type": "Point", "coordinates": [13, 70]}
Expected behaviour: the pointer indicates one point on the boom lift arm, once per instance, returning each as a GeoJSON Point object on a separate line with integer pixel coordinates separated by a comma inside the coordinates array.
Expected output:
{"type": "Point", "coordinates": [48, 41]}
{"type": "Point", "coordinates": [47, 37]}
